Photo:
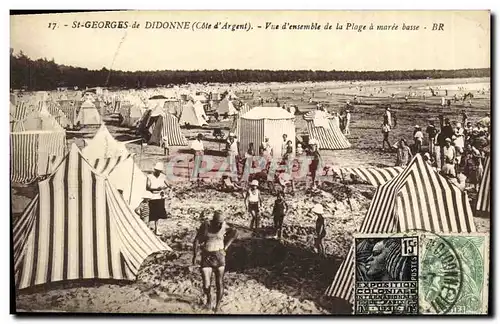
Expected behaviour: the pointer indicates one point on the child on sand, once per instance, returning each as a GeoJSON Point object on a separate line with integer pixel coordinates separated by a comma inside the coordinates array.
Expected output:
{"type": "Point", "coordinates": [279, 211]}
{"type": "Point", "coordinates": [320, 229]}
{"type": "Point", "coordinates": [143, 209]}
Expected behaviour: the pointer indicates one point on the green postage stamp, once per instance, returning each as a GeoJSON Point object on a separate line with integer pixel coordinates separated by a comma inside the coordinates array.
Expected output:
{"type": "Point", "coordinates": [421, 273]}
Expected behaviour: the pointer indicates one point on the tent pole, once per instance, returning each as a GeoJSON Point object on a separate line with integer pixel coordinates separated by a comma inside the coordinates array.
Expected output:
{"type": "Point", "coordinates": [132, 180]}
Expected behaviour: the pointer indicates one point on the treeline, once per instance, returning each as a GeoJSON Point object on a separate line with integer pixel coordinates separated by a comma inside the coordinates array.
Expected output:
{"type": "Point", "coordinates": [43, 74]}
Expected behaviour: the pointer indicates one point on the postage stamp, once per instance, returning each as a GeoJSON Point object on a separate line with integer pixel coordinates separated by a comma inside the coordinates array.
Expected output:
{"type": "Point", "coordinates": [454, 274]}
{"type": "Point", "coordinates": [421, 272]}
{"type": "Point", "coordinates": [386, 279]}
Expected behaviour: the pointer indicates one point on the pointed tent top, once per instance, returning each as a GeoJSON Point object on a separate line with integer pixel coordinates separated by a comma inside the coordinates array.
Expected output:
{"type": "Point", "coordinates": [104, 145]}
{"type": "Point", "coordinates": [315, 114]}
{"type": "Point", "coordinates": [87, 104]}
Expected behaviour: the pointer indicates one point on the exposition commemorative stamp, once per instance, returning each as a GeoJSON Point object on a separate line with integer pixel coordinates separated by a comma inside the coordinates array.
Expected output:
{"type": "Point", "coordinates": [386, 280]}
{"type": "Point", "coordinates": [420, 272]}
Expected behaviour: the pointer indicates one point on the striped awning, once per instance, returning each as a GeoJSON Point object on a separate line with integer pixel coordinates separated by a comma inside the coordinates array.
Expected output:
{"type": "Point", "coordinates": [483, 197]}
{"type": "Point", "coordinates": [79, 227]}
{"type": "Point", "coordinates": [374, 176]}
{"type": "Point", "coordinates": [419, 198]}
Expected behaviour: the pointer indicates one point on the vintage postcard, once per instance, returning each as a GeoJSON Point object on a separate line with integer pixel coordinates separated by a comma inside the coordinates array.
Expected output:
{"type": "Point", "coordinates": [250, 162]}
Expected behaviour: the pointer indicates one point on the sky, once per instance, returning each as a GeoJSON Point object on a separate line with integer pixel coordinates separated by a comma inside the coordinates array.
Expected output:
{"type": "Point", "coordinates": [464, 42]}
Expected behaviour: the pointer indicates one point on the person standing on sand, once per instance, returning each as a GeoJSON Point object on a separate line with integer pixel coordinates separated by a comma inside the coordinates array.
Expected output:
{"type": "Point", "coordinates": [211, 236]}
{"type": "Point", "coordinates": [316, 161]}
{"type": "Point", "coordinates": [347, 131]}
{"type": "Point", "coordinates": [279, 211]}
{"type": "Point", "coordinates": [387, 116]}
{"type": "Point", "coordinates": [143, 209]}
{"type": "Point", "coordinates": [449, 159]}
{"type": "Point", "coordinates": [156, 184]}
{"type": "Point", "coordinates": [385, 132]}
{"type": "Point", "coordinates": [404, 155]}
{"type": "Point", "coordinates": [418, 137]}
{"type": "Point", "coordinates": [320, 229]}
{"type": "Point", "coordinates": [198, 152]}
{"type": "Point", "coordinates": [253, 203]}
{"type": "Point", "coordinates": [284, 145]}
{"type": "Point", "coordinates": [431, 133]}
{"type": "Point", "coordinates": [233, 149]}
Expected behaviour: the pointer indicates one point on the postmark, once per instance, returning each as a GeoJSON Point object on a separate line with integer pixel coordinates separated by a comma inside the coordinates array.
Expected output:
{"type": "Point", "coordinates": [386, 280]}
{"type": "Point", "coordinates": [454, 274]}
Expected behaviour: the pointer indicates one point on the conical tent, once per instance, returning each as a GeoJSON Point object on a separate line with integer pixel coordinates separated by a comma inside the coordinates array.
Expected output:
{"type": "Point", "coordinates": [103, 144]}
{"type": "Point", "coordinates": [190, 117]}
{"type": "Point", "coordinates": [226, 107]}
{"type": "Point", "coordinates": [79, 227]}
{"type": "Point", "coordinates": [124, 174]}
{"type": "Point", "coordinates": [131, 113]}
{"type": "Point", "coordinates": [419, 198]}
{"type": "Point", "coordinates": [321, 127]}
{"type": "Point", "coordinates": [271, 122]}
{"type": "Point", "coordinates": [88, 115]}
{"type": "Point", "coordinates": [483, 197]}
{"type": "Point", "coordinates": [165, 126]}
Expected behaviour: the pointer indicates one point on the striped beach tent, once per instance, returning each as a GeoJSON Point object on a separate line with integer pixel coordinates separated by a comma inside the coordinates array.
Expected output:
{"type": "Point", "coordinates": [320, 126]}
{"type": "Point", "coordinates": [70, 109]}
{"type": "Point", "coordinates": [271, 122]}
{"type": "Point", "coordinates": [483, 197]}
{"type": "Point", "coordinates": [79, 227]}
{"type": "Point", "coordinates": [419, 198]}
{"type": "Point", "coordinates": [165, 126]}
{"type": "Point", "coordinates": [235, 128]}
{"type": "Point", "coordinates": [374, 176]}
{"type": "Point", "coordinates": [103, 144]}
{"type": "Point", "coordinates": [32, 141]}
{"type": "Point", "coordinates": [54, 109]}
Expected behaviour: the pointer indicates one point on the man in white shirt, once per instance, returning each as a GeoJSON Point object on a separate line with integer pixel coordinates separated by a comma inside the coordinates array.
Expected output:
{"type": "Point", "coordinates": [387, 116]}
{"type": "Point", "coordinates": [198, 150]}
{"type": "Point", "coordinates": [232, 148]}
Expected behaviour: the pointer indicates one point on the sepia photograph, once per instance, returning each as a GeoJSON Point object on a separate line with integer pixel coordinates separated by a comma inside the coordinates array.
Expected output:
{"type": "Point", "coordinates": [250, 162]}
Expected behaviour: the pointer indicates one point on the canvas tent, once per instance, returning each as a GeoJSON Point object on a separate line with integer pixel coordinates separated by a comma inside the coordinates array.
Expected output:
{"type": "Point", "coordinates": [418, 198]}
{"type": "Point", "coordinates": [226, 107]}
{"type": "Point", "coordinates": [32, 141]}
{"type": "Point", "coordinates": [124, 174]}
{"type": "Point", "coordinates": [79, 227]}
{"type": "Point", "coordinates": [484, 195]}
{"type": "Point", "coordinates": [70, 109]}
{"type": "Point", "coordinates": [261, 122]}
{"type": "Point", "coordinates": [235, 128]}
{"type": "Point", "coordinates": [321, 127]}
{"type": "Point", "coordinates": [131, 113]}
{"type": "Point", "coordinates": [374, 176]}
{"type": "Point", "coordinates": [192, 114]}
{"type": "Point", "coordinates": [161, 126]}
{"type": "Point", "coordinates": [88, 115]}
{"type": "Point", "coordinates": [103, 144]}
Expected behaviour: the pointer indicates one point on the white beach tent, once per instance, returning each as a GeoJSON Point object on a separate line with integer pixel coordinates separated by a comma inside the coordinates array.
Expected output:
{"type": "Point", "coordinates": [271, 122]}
